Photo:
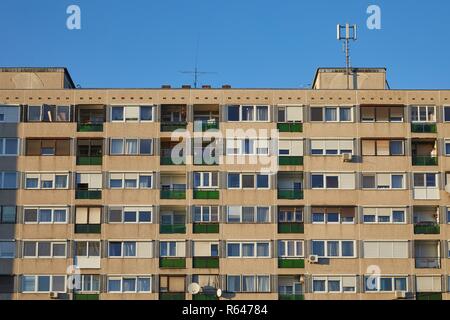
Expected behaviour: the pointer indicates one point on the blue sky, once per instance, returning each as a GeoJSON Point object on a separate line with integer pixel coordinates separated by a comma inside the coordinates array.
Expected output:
{"type": "Point", "coordinates": [248, 43]}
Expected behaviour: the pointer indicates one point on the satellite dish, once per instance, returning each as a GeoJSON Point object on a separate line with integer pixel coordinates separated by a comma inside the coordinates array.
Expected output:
{"type": "Point", "coordinates": [194, 288]}
{"type": "Point", "coordinates": [219, 293]}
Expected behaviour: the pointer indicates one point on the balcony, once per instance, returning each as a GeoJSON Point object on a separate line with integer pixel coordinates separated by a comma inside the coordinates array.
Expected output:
{"type": "Point", "coordinates": [170, 127]}
{"type": "Point", "coordinates": [88, 228]}
{"type": "Point", "coordinates": [424, 127]}
{"type": "Point", "coordinates": [428, 296]}
{"type": "Point", "coordinates": [172, 228]}
{"type": "Point", "coordinates": [291, 297]}
{"type": "Point", "coordinates": [172, 296]}
{"type": "Point", "coordinates": [205, 296]}
{"type": "Point", "coordinates": [172, 262]}
{"type": "Point", "coordinates": [290, 127]}
{"type": "Point", "coordinates": [168, 161]}
{"type": "Point", "coordinates": [205, 262]}
{"type": "Point", "coordinates": [205, 228]}
{"type": "Point", "coordinates": [290, 227]}
{"type": "Point", "coordinates": [92, 194]}
{"type": "Point", "coordinates": [290, 194]}
{"type": "Point", "coordinates": [206, 194]}
{"type": "Point", "coordinates": [173, 194]}
{"type": "Point", "coordinates": [89, 161]}
{"type": "Point", "coordinates": [427, 228]}
{"type": "Point", "coordinates": [90, 127]}
{"type": "Point", "coordinates": [86, 296]}
{"type": "Point", "coordinates": [424, 160]}
{"type": "Point", "coordinates": [428, 263]}
{"type": "Point", "coordinates": [290, 160]}
{"type": "Point", "coordinates": [288, 263]}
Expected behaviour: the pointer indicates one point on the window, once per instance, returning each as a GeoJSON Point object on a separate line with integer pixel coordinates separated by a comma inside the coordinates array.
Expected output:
{"type": "Point", "coordinates": [334, 284]}
{"type": "Point", "coordinates": [131, 113]}
{"type": "Point", "coordinates": [248, 283]}
{"type": "Point", "coordinates": [130, 180]}
{"type": "Point", "coordinates": [130, 214]}
{"type": "Point", "coordinates": [48, 113]}
{"type": "Point", "coordinates": [44, 249]}
{"type": "Point", "coordinates": [89, 147]}
{"type": "Point", "coordinates": [334, 248]}
{"type": "Point", "coordinates": [423, 114]}
{"type": "Point", "coordinates": [447, 147]}
{"type": "Point", "coordinates": [237, 214]}
{"type": "Point", "coordinates": [290, 248]}
{"type": "Point", "coordinates": [48, 147]}
{"type": "Point", "coordinates": [385, 249]}
{"type": "Point", "coordinates": [130, 249]}
{"type": "Point", "coordinates": [288, 214]}
{"type": "Point", "coordinates": [8, 180]}
{"type": "Point", "coordinates": [382, 114]}
{"type": "Point", "coordinates": [131, 147]}
{"type": "Point", "coordinates": [384, 215]}
{"type": "Point", "coordinates": [46, 180]}
{"type": "Point", "coordinates": [43, 283]}
{"type": "Point", "coordinates": [7, 214]}
{"type": "Point", "coordinates": [248, 113]}
{"type": "Point", "coordinates": [248, 250]}
{"type": "Point", "coordinates": [345, 215]}
{"type": "Point", "coordinates": [88, 215]}
{"type": "Point", "coordinates": [129, 284]}
{"type": "Point", "coordinates": [9, 146]}
{"type": "Point", "coordinates": [290, 114]}
{"type": "Point", "coordinates": [331, 147]}
{"type": "Point", "coordinates": [333, 181]}
{"type": "Point", "coordinates": [87, 248]}
{"type": "Point", "coordinates": [247, 147]}
{"type": "Point", "coordinates": [7, 249]}
{"type": "Point", "coordinates": [383, 147]}
{"type": "Point", "coordinates": [204, 214]}
{"type": "Point", "coordinates": [206, 180]}
{"type": "Point", "coordinates": [383, 181]}
{"type": "Point", "coordinates": [44, 215]}
{"type": "Point", "coordinates": [385, 284]}
{"type": "Point", "coordinates": [447, 114]}
{"type": "Point", "coordinates": [331, 114]}
{"type": "Point", "coordinates": [248, 181]}
{"type": "Point", "coordinates": [172, 249]}
{"type": "Point", "coordinates": [88, 283]}
{"type": "Point", "coordinates": [426, 186]}
{"type": "Point", "coordinates": [9, 114]}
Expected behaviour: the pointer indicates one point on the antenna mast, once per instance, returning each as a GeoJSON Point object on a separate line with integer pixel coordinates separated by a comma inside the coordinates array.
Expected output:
{"type": "Point", "coordinates": [346, 33]}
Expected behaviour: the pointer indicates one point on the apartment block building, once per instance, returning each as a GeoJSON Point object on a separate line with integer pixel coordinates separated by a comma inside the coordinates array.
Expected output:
{"type": "Point", "coordinates": [137, 193]}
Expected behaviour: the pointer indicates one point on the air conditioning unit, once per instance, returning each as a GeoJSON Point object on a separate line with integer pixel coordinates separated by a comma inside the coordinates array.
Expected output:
{"type": "Point", "coordinates": [400, 294]}
{"type": "Point", "coordinates": [313, 258]}
{"type": "Point", "coordinates": [54, 295]}
{"type": "Point", "coordinates": [347, 157]}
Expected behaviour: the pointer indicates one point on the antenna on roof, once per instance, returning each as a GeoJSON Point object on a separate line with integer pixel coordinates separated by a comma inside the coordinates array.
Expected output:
{"type": "Point", "coordinates": [346, 33]}
{"type": "Point", "coordinates": [196, 72]}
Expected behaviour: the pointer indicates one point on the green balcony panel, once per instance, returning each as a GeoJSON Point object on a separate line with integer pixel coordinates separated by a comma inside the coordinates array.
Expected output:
{"type": "Point", "coordinates": [205, 125]}
{"type": "Point", "coordinates": [290, 194]}
{"type": "Point", "coordinates": [173, 194]}
{"type": "Point", "coordinates": [205, 297]}
{"type": "Point", "coordinates": [431, 229]}
{"type": "Point", "coordinates": [290, 160]}
{"type": "Point", "coordinates": [425, 160]}
{"type": "Point", "coordinates": [206, 194]}
{"type": "Point", "coordinates": [88, 228]}
{"type": "Point", "coordinates": [89, 161]}
{"type": "Point", "coordinates": [424, 127]}
{"type": "Point", "coordinates": [172, 262]}
{"type": "Point", "coordinates": [206, 228]}
{"type": "Point", "coordinates": [90, 296]}
{"type": "Point", "coordinates": [172, 228]}
{"type": "Point", "coordinates": [205, 262]}
{"type": "Point", "coordinates": [172, 296]}
{"type": "Point", "coordinates": [291, 297]}
{"type": "Point", "coordinates": [291, 263]}
{"type": "Point", "coordinates": [288, 227]}
{"type": "Point", "coordinates": [169, 127]}
{"type": "Point", "coordinates": [168, 161]}
{"type": "Point", "coordinates": [429, 296]}
{"type": "Point", "coordinates": [90, 127]}
{"type": "Point", "coordinates": [88, 194]}
{"type": "Point", "coordinates": [290, 127]}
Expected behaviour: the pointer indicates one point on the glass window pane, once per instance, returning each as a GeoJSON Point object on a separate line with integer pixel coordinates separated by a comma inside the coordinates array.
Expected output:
{"type": "Point", "coordinates": [117, 113]}
{"type": "Point", "coordinates": [146, 113]}
{"type": "Point", "coordinates": [233, 113]}
{"type": "Point", "coordinates": [43, 283]}
{"type": "Point", "coordinates": [145, 146]}
{"type": "Point", "coordinates": [116, 146]}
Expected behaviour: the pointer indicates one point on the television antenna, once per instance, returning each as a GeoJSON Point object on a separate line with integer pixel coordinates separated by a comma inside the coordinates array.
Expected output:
{"type": "Point", "coordinates": [346, 33]}
{"type": "Point", "coordinates": [197, 72]}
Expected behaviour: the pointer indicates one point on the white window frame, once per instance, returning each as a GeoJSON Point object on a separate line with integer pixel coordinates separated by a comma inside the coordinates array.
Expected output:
{"type": "Point", "coordinates": [168, 243]}
{"type": "Point", "coordinates": [51, 256]}
{"type": "Point", "coordinates": [202, 175]}
{"type": "Point", "coordinates": [255, 249]}
{"type": "Point", "coordinates": [138, 176]}
{"type": "Point", "coordinates": [124, 143]}
{"type": "Point", "coordinates": [255, 213]}
{"type": "Point", "coordinates": [285, 244]}
{"type": "Point", "coordinates": [124, 111]}
{"type": "Point", "coordinates": [391, 219]}
{"type": "Point", "coordinates": [255, 113]}
{"type": "Point", "coordinates": [40, 180]}
{"type": "Point", "coordinates": [88, 255]}
{"type": "Point", "coordinates": [53, 209]}
{"type": "Point", "coordinates": [326, 279]}
{"type": "Point", "coordinates": [377, 186]}
{"type": "Point", "coordinates": [338, 114]}
{"type": "Point", "coordinates": [378, 283]}
{"type": "Point", "coordinates": [2, 180]}
{"type": "Point", "coordinates": [202, 207]}
{"type": "Point", "coordinates": [41, 113]}
{"type": "Point", "coordinates": [340, 256]}
{"type": "Point", "coordinates": [136, 244]}
{"type": "Point", "coordinates": [122, 278]}
{"type": "Point", "coordinates": [83, 280]}
{"type": "Point", "coordinates": [3, 149]}
{"type": "Point", "coordinates": [138, 210]}
{"type": "Point", "coordinates": [428, 120]}
{"type": "Point", "coordinates": [50, 286]}
{"type": "Point", "coordinates": [255, 181]}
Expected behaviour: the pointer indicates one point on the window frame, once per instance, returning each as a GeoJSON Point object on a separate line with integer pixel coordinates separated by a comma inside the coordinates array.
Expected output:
{"type": "Point", "coordinates": [255, 249]}
{"type": "Point", "coordinates": [255, 214]}
{"type": "Point", "coordinates": [254, 112]}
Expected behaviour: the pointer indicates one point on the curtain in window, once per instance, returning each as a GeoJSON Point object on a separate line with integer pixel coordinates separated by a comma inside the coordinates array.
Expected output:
{"type": "Point", "coordinates": [145, 181]}
{"type": "Point", "coordinates": [129, 249]}
{"type": "Point", "coordinates": [129, 285]}
{"type": "Point", "coordinates": [131, 146]}
{"type": "Point", "coordinates": [262, 249]}
{"type": "Point", "coordinates": [248, 284]}
{"type": "Point", "coordinates": [262, 214]}
{"type": "Point", "coordinates": [144, 285]}
{"type": "Point", "coordinates": [333, 248]}
{"type": "Point", "coordinates": [248, 249]}
{"type": "Point", "coordinates": [233, 284]}
{"type": "Point", "coordinates": [330, 114]}
{"type": "Point", "coordinates": [319, 285]}
{"type": "Point", "coordinates": [94, 249]}
{"type": "Point", "coordinates": [263, 284]}
{"type": "Point", "coordinates": [262, 113]}
{"type": "Point", "coordinates": [247, 113]}
{"type": "Point", "coordinates": [116, 146]}
{"type": "Point", "coordinates": [60, 182]}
